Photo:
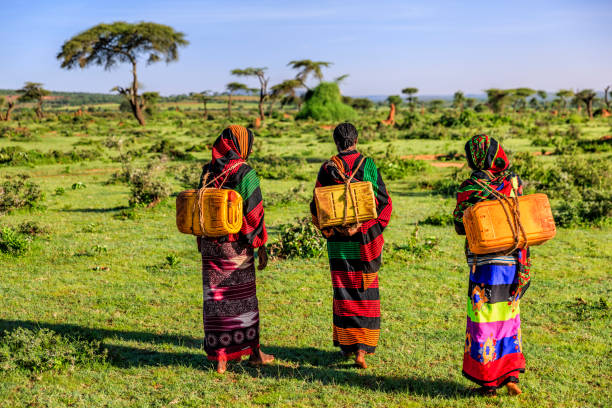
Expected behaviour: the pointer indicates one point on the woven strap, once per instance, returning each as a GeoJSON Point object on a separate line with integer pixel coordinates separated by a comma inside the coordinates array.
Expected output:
{"type": "Point", "coordinates": [347, 180]}
{"type": "Point", "coordinates": [205, 183]}
{"type": "Point", "coordinates": [513, 215]}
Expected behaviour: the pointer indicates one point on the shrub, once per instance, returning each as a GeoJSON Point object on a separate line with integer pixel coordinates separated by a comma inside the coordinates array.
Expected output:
{"type": "Point", "coordinates": [416, 247]}
{"type": "Point", "coordinates": [439, 218]}
{"type": "Point", "coordinates": [33, 229]}
{"type": "Point", "coordinates": [12, 242]}
{"type": "Point", "coordinates": [169, 147]}
{"type": "Point", "coordinates": [17, 192]}
{"type": "Point", "coordinates": [295, 195]}
{"type": "Point", "coordinates": [280, 168]}
{"type": "Point", "coordinates": [324, 103]}
{"type": "Point", "coordinates": [298, 240]}
{"type": "Point", "coordinates": [145, 186]}
{"type": "Point", "coordinates": [41, 350]}
{"type": "Point", "coordinates": [593, 207]}
{"type": "Point", "coordinates": [393, 167]}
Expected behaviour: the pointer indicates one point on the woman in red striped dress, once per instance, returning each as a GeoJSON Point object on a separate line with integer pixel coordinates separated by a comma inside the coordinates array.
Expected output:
{"type": "Point", "coordinates": [355, 253]}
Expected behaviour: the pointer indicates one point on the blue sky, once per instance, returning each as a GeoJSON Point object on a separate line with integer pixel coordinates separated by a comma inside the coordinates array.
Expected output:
{"type": "Point", "coordinates": [437, 46]}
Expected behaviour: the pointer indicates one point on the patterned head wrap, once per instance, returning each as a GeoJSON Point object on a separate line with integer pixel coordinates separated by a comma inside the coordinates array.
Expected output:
{"type": "Point", "coordinates": [235, 143]}
{"type": "Point", "coordinates": [485, 153]}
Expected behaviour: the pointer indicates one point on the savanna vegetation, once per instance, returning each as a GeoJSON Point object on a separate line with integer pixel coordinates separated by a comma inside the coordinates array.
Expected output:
{"type": "Point", "coordinates": [101, 295]}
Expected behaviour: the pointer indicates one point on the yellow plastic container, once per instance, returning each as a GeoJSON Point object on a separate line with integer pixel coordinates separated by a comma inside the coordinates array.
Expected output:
{"type": "Point", "coordinates": [330, 202]}
{"type": "Point", "coordinates": [488, 230]}
{"type": "Point", "coordinates": [221, 209]}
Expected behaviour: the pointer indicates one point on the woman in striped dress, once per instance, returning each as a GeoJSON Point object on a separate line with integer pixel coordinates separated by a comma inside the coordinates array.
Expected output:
{"type": "Point", "coordinates": [355, 253]}
{"type": "Point", "coordinates": [493, 351]}
{"type": "Point", "coordinates": [231, 312]}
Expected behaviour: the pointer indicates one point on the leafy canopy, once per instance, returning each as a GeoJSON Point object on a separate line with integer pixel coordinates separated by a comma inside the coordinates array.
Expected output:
{"type": "Point", "coordinates": [32, 91]}
{"type": "Point", "coordinates": [109, 44]}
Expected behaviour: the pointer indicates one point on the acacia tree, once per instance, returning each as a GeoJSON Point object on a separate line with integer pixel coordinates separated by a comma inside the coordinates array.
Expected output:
{"type": "Point", "coordinates": [497, 99]}
{"type": "Point", "coordinates": [458, 100]}
{"type": "Point", "coordinates": [10, 105]}
{"type": "Point", "coordinates": [307, 67]}
{"type": "Point", "coordinates": [231, 88]}
{"type": "Point", "coordinates": [120, 42]}
{"type": "Point", "coordinates": [204, 97]}
{"type": "Point", "coordinates": [607, 93]}
{"type": "Point", "coordinates": [411, 96]}
{"type": "Point", "coordinates": [34, 92]}
{"type": "Point", "coordinates": [287, 91]}
{"type": "Point", "coordinates": [260, 73]}
{"type": "Point", "coordinates": [519, 96]}
{"type": "Point", "coordinates": [564, 95]}
{"type": "Point", "coordinates": [587, 96]}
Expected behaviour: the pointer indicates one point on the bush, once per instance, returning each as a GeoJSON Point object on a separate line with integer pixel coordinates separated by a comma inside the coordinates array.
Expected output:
{"type": "Point", "coordinates": [41, 350]}
{"type": "Point", "coordinates": [12, 242]}
{"type": "Point", "coordinates": [593, 207]}
{"type": "Point", "coordinates": [439, 218]}
{"type": "Point", "coordinates": [393, 167]}
{"type": "Point", "coordinates": [17, 192]}
{"type": "Point", "coordinates": [324, 103]}
{"type": "Point", "coordinates": [146, 188]}
{"type": "Point", "coordinates": [416, 247]}
{"type": "Point", "coordinates": [280, 168]}
{"type": "Point", "coordinates": [295, 195]}
{"type": "Point", "coordinates": [33, 229]}
{"type": "Point", "coordinates": [298, 240]}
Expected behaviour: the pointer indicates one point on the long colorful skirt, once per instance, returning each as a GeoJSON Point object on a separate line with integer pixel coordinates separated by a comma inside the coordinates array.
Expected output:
{"type": "Point", "coordinates": [493, 352]}
{"type": "Point", "coordinates": [231, 313]}
{"type": "Point", "coordinates": [356, 305]}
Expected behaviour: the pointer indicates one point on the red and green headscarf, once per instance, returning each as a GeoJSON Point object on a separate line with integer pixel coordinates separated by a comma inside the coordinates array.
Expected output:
{"type": "Point", "coordinates": [490, 164]}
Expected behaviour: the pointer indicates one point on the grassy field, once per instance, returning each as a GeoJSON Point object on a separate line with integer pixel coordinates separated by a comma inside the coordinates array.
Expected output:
{"type": "Point", "coordinates": [127, 278]}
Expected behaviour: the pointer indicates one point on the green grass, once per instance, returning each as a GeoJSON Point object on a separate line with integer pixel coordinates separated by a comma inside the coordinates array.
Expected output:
{"type": "Point", "coordinates": [101, 278]}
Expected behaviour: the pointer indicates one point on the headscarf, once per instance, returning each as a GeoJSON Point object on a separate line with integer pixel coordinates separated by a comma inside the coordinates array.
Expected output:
{"type": "Point", "coordinates": [490, 164]}
{"type": "Point", "coordinates": [233, 145]}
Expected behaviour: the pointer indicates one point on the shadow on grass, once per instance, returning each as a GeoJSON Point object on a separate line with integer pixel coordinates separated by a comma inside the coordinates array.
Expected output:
{"type": "Point", "coordinates": [315, 365]}
{"type": "Point", "coordinates": [96, 210]}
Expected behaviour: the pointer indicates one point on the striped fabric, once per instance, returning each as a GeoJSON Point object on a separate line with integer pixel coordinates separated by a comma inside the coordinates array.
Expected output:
{"type": "Point", "coordinates": [231, 313]}
{"type": "Point", "coordinates": [354, 262]}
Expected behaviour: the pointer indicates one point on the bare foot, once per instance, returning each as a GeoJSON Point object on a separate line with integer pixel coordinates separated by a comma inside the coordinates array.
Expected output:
{"type": "Point", "coordinates": [221, 366]}
{"type": "Point", "coordinates": [260, 358]}
{"type": "Point", "coordinates": [360, 359]}
{"type": "Point", "coordinates": [513, 388]}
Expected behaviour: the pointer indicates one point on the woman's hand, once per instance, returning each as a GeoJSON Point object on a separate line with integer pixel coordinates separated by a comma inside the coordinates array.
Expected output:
{"type": "Point", "coordinates": [262, 255]}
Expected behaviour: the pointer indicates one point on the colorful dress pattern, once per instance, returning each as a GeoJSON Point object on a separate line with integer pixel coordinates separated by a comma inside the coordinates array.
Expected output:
{"type": "Point", "coordinates": [355, 260]}
{"type": "Point", "coordinates": [493, 350]}
{"type": "Point", "coordinates": [231, 313]}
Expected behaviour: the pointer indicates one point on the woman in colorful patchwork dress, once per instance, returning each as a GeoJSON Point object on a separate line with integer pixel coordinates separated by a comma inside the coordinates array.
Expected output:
{"type": "Point", "coordinates": [493, 352]}
{"type": "Point", "coordinates": [231, 313]}
{"type": "Point", "coordinates": [355, 252]}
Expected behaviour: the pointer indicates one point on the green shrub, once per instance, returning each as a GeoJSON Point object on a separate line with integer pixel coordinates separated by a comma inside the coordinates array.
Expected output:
{"type": "Point", "coordinates": [298, 240]}
{"type": "Point", "coordinates": [280, 168]}
{"type": "Point", "coordinates": [417, 247]}
{"type": "Point", "coordinates": [12, 242]}
{"type": "Point", "coordinates": [593, 207]}
{"type": "Point", "coordinates": [439, 218]}
{"type": "Point", "coordinates": [145, 186]}
{"type": "Point", "coordinates": [324, 103]}
{"type": "Point", "coordinates": [17, 192]}
{"type": "Point", "coordinates": [33, 229]}
{"type": "Point", "coordinates": [41, 350]}
{"type": "Point", "coordinates": [295, 195]}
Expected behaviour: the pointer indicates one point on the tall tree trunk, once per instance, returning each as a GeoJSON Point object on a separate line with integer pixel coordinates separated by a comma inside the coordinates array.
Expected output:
{"type": "Point", "coordinates": [589, 106]}
{"type": "Point", "coordinates": [606, 93]}
{"type": "Point", "coordinates": [229, 105]}
{"type": "Point", "coordinates": [262, 116]}
{"type": "Point", "coordinates": [9, 110]}
{"type": "Point", "coordinates": [205, 110]}
{"type": "Point", "coordinates": [134, 100]}
{"type": "Point", "coordinates": [39, 112]}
